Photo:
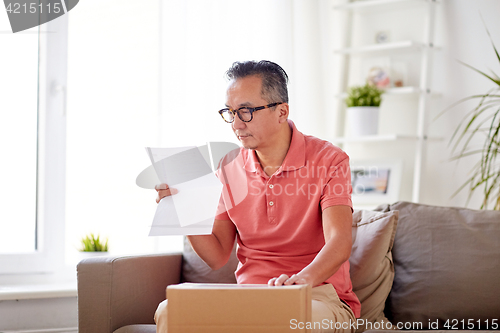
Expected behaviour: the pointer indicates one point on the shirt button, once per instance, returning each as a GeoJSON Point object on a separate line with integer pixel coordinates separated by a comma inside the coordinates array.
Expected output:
{"type": "Point", "coordinates": [271, 185]}
{"type": "Point", "coordinates": [271, 203]}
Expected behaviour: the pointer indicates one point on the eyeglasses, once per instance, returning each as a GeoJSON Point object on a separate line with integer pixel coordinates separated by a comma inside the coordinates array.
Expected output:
{"type": "Point", "coordinates": [244, 113]}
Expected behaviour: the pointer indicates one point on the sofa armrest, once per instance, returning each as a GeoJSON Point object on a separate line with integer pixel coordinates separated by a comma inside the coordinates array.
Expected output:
{"type": "Point", "coordinates": [125, 290]}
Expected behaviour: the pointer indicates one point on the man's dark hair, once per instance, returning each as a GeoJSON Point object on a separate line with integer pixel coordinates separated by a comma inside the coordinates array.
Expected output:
{"type": "Point", "coordinates": [274, 78]}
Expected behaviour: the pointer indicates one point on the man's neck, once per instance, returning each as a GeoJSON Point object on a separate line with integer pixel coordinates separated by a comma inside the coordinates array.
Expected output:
{"type": "Point", "coordinates": [271, 158]}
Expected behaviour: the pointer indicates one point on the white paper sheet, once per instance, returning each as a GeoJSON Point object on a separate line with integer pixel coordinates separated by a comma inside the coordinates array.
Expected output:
{"type": "Point", "coordinates": [166, 222]}
{"type": "Point", "coordinates": [192, 210]}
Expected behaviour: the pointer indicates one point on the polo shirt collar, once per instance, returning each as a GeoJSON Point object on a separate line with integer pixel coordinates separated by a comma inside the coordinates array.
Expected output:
{"type": "Point", "coordinates": [251, 161]}
{"type": "Point", "coordinates": [295, 157]}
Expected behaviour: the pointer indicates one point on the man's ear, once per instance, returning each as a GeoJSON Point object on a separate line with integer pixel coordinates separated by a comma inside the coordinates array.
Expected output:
{"type": "Point", "coordinates": [283, 110]}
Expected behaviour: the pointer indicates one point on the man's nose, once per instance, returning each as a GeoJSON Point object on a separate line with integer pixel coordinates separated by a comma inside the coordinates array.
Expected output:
{"type": "Point", "coordinates": [238, 123]}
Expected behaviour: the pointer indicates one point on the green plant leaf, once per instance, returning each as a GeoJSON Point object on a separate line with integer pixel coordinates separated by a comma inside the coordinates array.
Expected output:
{"type": "Point", "coordinates": [496, 81]}
{"type": "Point", "coordinates": [367, 95]}
{"type": "Point", "coordinates": [491, 39]}
{"type": "Point", "coordinates": [91, 243]}
{"type": "Point", "coordinates": [472, 134]}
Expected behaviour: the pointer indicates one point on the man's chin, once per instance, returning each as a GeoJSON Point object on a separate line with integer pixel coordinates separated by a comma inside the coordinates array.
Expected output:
{"type": "Point", "coordinates": [248, 146]}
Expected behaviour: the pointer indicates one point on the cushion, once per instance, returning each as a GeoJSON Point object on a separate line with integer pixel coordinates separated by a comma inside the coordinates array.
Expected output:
{"type": "Point", "coordinates": [142, 328]}
{"type": "Point", "coordinates": [195, 270]}
{"type": "Point", "coordinates": [447, 265]}
{"type": "Point", "coordinates": [372, 270]}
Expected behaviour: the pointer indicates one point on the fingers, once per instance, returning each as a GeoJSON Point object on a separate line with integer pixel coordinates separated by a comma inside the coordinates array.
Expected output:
{"type": "Point", "coordinates": [161, 186]}
{"type": "Point", "coordinates": [164, 191]}
{"type": "Point", "coordinates": [271, 282]}
{"type": "Point", "coordinates": [284, 280]}
{"type": "Point", "coordinates": [279, 281]}
{"type": "Point", "coordinates": [295, 279]}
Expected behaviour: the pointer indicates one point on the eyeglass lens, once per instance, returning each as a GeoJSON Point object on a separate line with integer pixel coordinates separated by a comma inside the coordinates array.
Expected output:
{"type": "Point", "coordinates": [243, 113]}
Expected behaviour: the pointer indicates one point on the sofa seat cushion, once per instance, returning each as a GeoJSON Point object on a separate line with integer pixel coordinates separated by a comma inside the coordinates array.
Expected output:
{"type": "Point", "coordinates": [447, 265]}
{"type": "Point", "coordinates": [372, 270]}
{"type": "Point", "coordinates": [137, 329]}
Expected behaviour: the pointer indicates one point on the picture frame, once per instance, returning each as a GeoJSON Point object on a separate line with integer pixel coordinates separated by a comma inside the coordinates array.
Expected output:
{"type": "Point", "coordinates": [376, 181]}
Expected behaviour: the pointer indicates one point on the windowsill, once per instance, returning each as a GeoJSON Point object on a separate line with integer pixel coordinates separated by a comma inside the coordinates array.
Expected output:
{"type": "Point", "coordinates": [38, 291]}
{"type": "Point", "coordinates": [59, 284]}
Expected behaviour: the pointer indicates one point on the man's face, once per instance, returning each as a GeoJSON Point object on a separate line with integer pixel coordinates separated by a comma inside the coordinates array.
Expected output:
{"type": "Point", "coordinates": [260, 132]}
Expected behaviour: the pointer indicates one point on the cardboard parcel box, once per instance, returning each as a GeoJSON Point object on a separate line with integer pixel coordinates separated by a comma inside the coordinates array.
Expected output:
{"type": "Point", "coordinates": [232, 308]}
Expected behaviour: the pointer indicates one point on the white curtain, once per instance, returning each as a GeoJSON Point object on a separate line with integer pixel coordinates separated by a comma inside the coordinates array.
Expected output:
{"type": "Point", "coordinates": [201, 39]}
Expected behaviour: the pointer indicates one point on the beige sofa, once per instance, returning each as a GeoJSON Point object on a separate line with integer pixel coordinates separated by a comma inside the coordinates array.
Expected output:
{"type": "Point", "coordinates": [422, 267]}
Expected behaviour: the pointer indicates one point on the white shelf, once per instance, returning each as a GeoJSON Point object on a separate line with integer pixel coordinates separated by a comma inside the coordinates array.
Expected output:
{"type": "Point", "coordinates": [402, 90]}
{"type": "Point", "coordinates": [38, 291]}
{"type": "Point", "coordinates": [362, 4]}
{"type": "Point", "coordinates": [382, 47]}
{"type": "Point", "coordinates": [382, 138]}
{"type": "Point", "coordinates": [409, 91]}
{"type": "Point", "coordinates": [392, 91]}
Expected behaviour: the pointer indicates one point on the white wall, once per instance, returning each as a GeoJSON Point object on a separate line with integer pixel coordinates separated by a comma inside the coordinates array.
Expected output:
{"type": "Point", "coordinates": [463, 37]}
{"type": "Point", "coordinates": [46, 315]}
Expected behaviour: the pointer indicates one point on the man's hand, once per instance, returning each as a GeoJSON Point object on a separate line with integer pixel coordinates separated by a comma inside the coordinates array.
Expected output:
{"type": "Point", "coordinates": [285, 280]}
{"type": "Point", "coordinates": [164, 191]}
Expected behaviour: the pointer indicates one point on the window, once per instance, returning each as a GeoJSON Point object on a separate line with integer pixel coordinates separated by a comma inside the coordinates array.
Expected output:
{"type": "Point", "coordinates": [34, 75]}
{"type": "Point", "coordinates": [112, 115]}
{"type": "Point", "coordinates": [18, 138]}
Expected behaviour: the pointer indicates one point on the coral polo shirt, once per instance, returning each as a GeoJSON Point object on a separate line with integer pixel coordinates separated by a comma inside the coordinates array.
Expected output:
{"type": "Point", "coordinates": [278, 218]}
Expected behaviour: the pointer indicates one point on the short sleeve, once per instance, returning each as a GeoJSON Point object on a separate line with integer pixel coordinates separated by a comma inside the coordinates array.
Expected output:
{"type": "Point", "coordinates": [338, 188]}
{"type": "Point", "coordinates": [221, 213]}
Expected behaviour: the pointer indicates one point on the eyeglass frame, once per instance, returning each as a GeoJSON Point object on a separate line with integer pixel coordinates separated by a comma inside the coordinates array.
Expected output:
{"type": "Point", "coordinates": [251, 110]}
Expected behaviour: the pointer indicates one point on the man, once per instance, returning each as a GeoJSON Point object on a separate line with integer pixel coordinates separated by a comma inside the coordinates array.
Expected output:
{"type": "Point", "coordinates": [293, 226]}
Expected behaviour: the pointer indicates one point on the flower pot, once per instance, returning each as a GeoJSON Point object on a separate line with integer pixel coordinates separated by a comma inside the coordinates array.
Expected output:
{"type": "Point", "coordinates": [84, 255]}
{"type": "Point", "coordinates": [363, 120]}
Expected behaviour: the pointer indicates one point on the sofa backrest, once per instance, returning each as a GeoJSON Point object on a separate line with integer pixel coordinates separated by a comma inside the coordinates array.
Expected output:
{"type": "Point", "coordinates": [372, 270]}
{"type": "Point", "coordinates": [447, 267]}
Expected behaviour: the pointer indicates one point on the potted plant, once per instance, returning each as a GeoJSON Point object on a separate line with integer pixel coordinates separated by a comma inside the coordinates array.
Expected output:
{"type": "Point", "coordinates": [363, 109]}
{"type": "Point", "coordinates": [92, 245]}
{"type": "Point", "coordinates": [483, 121]}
